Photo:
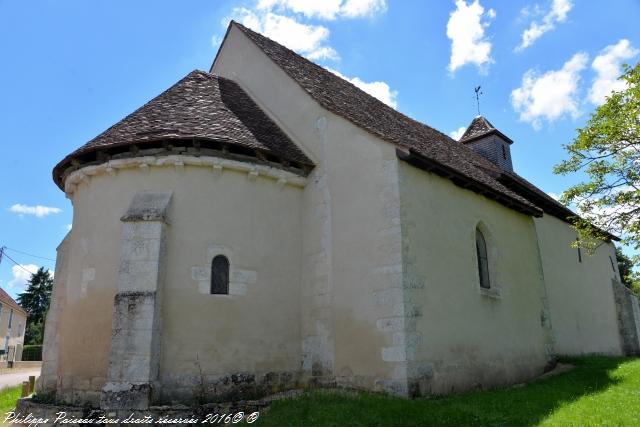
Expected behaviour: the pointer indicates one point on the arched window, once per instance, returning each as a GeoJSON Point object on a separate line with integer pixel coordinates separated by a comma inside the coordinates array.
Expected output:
{"type": "Point", "coordinates": [220, 275]}
{"type": "Point", "coordinates": [483, 260]}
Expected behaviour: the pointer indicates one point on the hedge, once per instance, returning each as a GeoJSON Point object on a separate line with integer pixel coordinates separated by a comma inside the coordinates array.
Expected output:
{"type": "Point", "coordinates": [32, 353]}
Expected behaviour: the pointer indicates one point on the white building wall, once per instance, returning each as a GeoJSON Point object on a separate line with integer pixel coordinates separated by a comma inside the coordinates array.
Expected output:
{"type": "Point", "coordinates": [466, 337]}
{"type": "Point", "coordinates": [581, 299]}
{"type": "Point", "coordinates": [204, 338]}
{"type": "Point", "coordinates": [351, 229]}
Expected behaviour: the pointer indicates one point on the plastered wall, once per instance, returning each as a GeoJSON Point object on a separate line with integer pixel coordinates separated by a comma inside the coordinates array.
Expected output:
{"type": "Point", "coordinates": [351, 229]}
{"type": "Point", "coordinates": [465, 337]}
{"type": "Point", "coordinates": [253, 221]}
{"type": "Point", "coordinates": [580, 294]}
{"type": "Point", "coordinates": [15, 334]}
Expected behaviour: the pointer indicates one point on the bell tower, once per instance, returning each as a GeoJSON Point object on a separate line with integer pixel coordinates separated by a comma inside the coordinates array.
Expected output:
{"type": "Point", "coordinates": [482, 137]}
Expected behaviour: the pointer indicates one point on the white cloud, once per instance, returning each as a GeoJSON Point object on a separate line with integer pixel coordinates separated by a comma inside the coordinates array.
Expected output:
{"type": "Point", "coordinates": [305, 39]}
{"type": "Point", "coordinates": [326, 9]}
{"type": "Point", "coordinates": [324, 52]}
{"type": "Point", "coordinates": [361, 8]}
{"type": "Point", "coordinates": [38, 210]}
{"type": "Point", "coordinates": [68, 227]}
{"type": "Point", "coordinates": [557, 14]}
{"type": "Point", "coordinates": [377, 89]}
{"type": "Point", "coordinates": [529, 11]}
{"type": "Point", "coordinates": [607, 66]}
{"type": "Point", "coordinates": [466, 31]}
{"type": "Point", "coordinates": [216, 40]}
{"type": "Point", "coordinates": [550, 95]}
{"type": "Point", "coordinates": [277, 19]}
{"type": "Point", "coordinates": [457, 134]}
{"type": "Point", "coordinates": [311, 40]}
{"type": "Point", "coordinates": [20, 276]}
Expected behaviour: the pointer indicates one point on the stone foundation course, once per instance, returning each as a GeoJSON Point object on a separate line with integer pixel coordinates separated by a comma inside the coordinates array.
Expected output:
{"type": "Point", "coordinates": [32, 412]}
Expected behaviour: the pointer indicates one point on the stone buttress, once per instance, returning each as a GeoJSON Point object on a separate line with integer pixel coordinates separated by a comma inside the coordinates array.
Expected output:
{"type": "Point", "coordinates": [135, 343]}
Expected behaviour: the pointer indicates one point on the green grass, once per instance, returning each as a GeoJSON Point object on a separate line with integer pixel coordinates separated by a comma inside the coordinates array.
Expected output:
{"type": "Point", "coordinates": [8, 398]}
{"type": "Point", "coordinates": [600, 391]}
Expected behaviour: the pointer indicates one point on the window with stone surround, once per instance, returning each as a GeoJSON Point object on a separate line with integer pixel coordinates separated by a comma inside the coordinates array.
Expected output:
{"type": "Point", "coordinates": [483, 260]}
{"type": "Point", "coordinates": [220, 275]}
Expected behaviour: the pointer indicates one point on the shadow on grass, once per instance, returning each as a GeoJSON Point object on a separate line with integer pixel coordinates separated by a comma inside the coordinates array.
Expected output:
{"type": "Point", "coordinates": [517, 406]}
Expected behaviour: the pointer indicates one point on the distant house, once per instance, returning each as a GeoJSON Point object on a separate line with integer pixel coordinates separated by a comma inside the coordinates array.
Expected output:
{"type": "Point", "coordinates": [13, 320]}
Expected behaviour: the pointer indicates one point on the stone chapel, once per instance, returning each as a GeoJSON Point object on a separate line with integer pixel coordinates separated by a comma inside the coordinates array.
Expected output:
{"type": "Point", "coordinates": [267, 225]}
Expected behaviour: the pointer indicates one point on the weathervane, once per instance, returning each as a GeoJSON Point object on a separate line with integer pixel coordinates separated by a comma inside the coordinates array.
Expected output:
{"type": "Point", "coordinates": [478, 93]}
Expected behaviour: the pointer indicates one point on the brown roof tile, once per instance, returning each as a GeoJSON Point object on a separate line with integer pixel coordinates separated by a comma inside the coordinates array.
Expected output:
{"type": "Point", "coordinates": [5, 298]}
{"type": "Point", "coordinates": [479, 127]}
{"type": "Point", "coordinates": [199, 106]}
{"type": "Point", "coordinates": [346, 100]}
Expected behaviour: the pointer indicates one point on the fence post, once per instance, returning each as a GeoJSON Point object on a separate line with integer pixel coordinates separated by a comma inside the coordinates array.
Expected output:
{"type": "Point", "coordinates": [32, 383]}
{"type": "Point", "coordinates": [25, 389]}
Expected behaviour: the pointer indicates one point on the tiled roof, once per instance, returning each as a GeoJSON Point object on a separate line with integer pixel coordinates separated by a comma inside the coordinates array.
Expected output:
{"type": "Point", "coordinates": [480, 126]}
{"type": "Point", "coordinates": [346, 100]}
{"type": "Point", "coordinates": [5, 298]}
{"type": "Point", "coordinates": [199, 106]}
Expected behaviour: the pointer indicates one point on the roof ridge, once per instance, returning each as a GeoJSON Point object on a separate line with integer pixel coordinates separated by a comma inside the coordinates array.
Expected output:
{"type": "Point", "coordinates": [416, 121]}
{"type": "Point", "coordinates": [338, 95]}
{"type": "Point", "coordinates": [203, 106]}
{"type": "Point", "coordinates": [476, 156]}
{"type": "Point", "coordinates": [11, 302]}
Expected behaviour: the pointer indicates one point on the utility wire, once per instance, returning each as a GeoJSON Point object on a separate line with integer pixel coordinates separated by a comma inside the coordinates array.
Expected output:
{"type": "Point", "coordinates": [28, 254]}
{"type": "Point", "coordinates": [17, 263]}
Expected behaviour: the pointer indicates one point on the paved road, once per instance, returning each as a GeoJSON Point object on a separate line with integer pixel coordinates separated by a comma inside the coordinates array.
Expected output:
{"type": "Point", "coordinates": [16, 378]}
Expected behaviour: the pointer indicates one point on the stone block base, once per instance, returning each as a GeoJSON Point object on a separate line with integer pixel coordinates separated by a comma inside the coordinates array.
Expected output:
{"type": "Point", "coordinates": [30, 410]}
{"type": "Point", "coordinates": [126, 396]}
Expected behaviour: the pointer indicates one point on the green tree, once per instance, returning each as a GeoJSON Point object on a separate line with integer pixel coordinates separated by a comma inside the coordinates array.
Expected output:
{"type": "Point", "coordinates": [35, 301]}
{"type": "Point", "coordinates": [607, 151]}
{"type": "Point", "coordinates": [625, 266]}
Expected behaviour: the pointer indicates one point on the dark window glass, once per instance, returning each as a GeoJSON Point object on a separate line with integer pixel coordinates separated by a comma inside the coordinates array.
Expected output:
{"type": "Point", "coordinates": [483, 260]}
{"type": "Point", "coordinates": [504, 153]}
{"type": "Point", "coordinates": [220, 275]}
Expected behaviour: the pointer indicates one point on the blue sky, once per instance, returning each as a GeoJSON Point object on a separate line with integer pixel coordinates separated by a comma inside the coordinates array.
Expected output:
{"type": "Point", "coordinates": [70, 69]}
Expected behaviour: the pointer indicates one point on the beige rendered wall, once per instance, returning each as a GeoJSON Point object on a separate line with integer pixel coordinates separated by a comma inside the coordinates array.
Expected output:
{"type": "Point", "coordinates": [580, 295]}
{"type": "Point", "coordinates": [351, 229]}
{"type": "Point", "coordinates": [49, 375]}
{"type": "Point", "coordinates": [16, 332]}
{"type": "Point", "coordinates": [466, 337]}
{"type": "Point", "coordinates": [253, 221]}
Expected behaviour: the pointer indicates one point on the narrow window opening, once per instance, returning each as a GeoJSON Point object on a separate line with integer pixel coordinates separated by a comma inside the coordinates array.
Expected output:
{"type": "Point", "coordinates": [220, 275]}
{"type": "Point", "coordinates": [504, 153]}
{"type": "Point", "coordinates": [613, 265]}
{"type": "Point", "coordinates": [483, 260]}
{"type": "Point", "coordinates": [579, 251]}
